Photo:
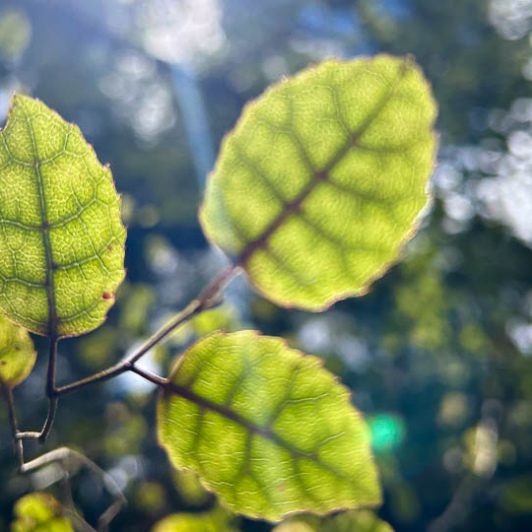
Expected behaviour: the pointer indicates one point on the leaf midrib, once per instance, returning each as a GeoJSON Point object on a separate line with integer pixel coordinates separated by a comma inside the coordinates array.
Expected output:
{"type": "Point", "coordinates": [265, 432]}
{"type": "Point", "coordinates": [45, 227]}
{"type": "Point", "coordinates": [293, 206]}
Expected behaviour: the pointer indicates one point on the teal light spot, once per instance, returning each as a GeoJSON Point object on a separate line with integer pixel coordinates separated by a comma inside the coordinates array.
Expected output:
{"type": "Point", "coordinates": [387, 432]}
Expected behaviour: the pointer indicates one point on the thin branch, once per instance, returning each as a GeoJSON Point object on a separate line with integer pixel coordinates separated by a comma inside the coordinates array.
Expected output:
{"type": "Point", "coordinates": [28, 435]}
{"type": "Point", "coordinates": [114, 509]}
{"type": "Point", "coordinates": [155, 379]}
{"type": "Point", "coordinates": [208, 298]}
{"type": "Point", "coordinates": [17, 444]}
{"type": "Point", "coordinates": [101, 376]}
{"type": "Point", "coordinates": [69, 510]}
{"type": "Point", "coordinates": [69, 457]}
{"type": "Point", "coordinates": [47, 427]}
{"type": "Point", "coordinates": [52, 398]}
{"type": "Point", "coordinates": [460, 504]}
{"type": "Point", "coordinates": [50, 390]}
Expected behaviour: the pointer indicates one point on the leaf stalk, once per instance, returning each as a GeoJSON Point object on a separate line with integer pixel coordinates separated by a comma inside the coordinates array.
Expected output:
{"type": "Point", "coordinates": [208, 298]}
{"type": "Point", "coordinates": [17, 443]}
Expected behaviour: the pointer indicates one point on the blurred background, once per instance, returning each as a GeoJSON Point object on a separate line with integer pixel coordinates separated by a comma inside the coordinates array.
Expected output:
{"type": "Point", "coordinates": [438, 354]}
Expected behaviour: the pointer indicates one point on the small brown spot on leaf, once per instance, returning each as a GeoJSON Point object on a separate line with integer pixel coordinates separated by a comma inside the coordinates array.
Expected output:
{"type": "Point", "coordinates": [107, 295]}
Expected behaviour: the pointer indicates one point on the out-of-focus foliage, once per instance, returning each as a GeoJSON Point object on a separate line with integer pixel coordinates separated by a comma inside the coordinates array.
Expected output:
{"type": "Point", "coordinates": [352, 521]}
{"type": "Point", "coordinates": [441, 346]}
{"type": "Point", "coordinates": [216, 520]}
{"type": "Point", "coordinates": [17, 353]}
{"type": "Point", "coordinates": [15, 33]}
{"type": "Point", "coordinates": [39, 512]}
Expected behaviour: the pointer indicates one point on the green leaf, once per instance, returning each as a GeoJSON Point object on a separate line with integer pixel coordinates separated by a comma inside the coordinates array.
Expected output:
{"type": "Point", "coordinates": [39, 512]}
{"type": "Point", "coordinates": [15, 33]}
{"type": "Point", "coordinates": [364, 521]}
{"type": "Point", "coordinates": [269, 430]}
{"type": "Point", "coordinates": [323, 179]}
{"type": "Point", "coordinates": [217, 520]}
{"type": "Point", "coordinates": [61, 238]}
{"type": "Point", "coordinates": [353, 521]}
{"type": "Point", "coordinates": [17, 354]}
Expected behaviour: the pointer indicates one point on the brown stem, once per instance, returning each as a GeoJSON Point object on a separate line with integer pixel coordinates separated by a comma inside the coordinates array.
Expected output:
{"type": "Point", "coordinates": [17, 444]}
{"type": "Point", "coordinates": [155, 379]}
{"type": "Point", "coordinates": [50, 390]}
{"type": "Point", "coordinates": [207, 299]}
{"type": "Point", "coordinates": [52, 398]}
{"type": "Point", "coordinates": [67, 457]}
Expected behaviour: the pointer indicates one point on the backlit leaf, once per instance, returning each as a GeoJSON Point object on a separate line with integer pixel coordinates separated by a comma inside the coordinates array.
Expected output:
{"type": "Point", "coordinates": [323, 179]}
{"type": "Point", "coordinates": [17, 354]}
{"type": "Point", "coordinates": [61, 238]}
{"type": "Point", "coordinates": [269, 430]}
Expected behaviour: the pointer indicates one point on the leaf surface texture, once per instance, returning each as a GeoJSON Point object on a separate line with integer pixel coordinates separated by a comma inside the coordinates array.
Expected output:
{"type": "Point", "coordinates": [61, 236]}
{"type": "Point", "coordinates": [323, 179]}
{"type": "Point", "coordinates": [266, 428]}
